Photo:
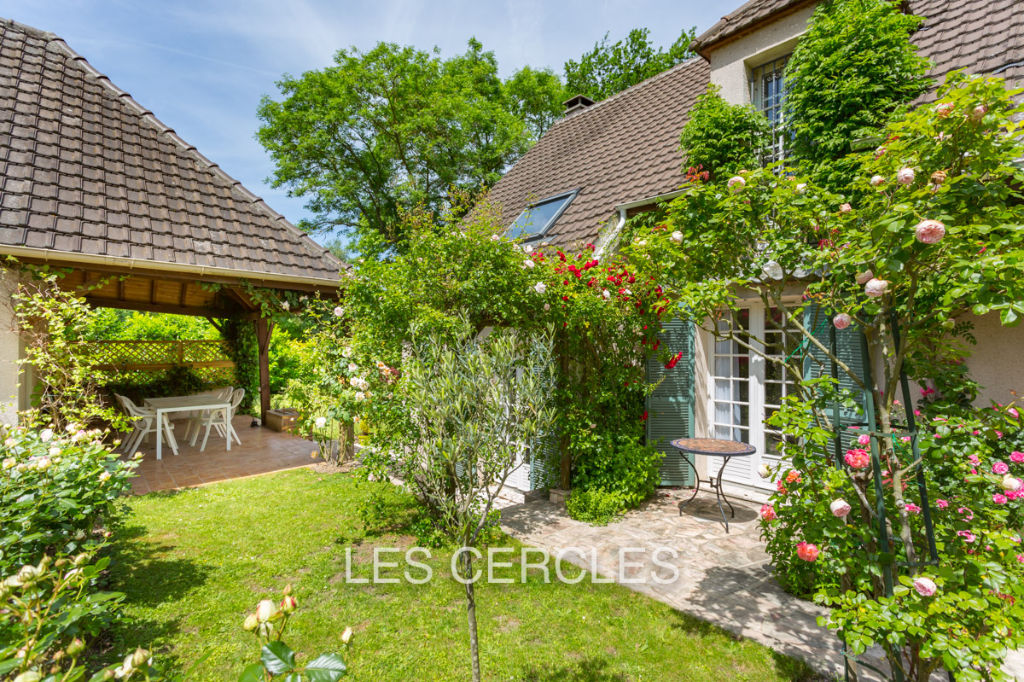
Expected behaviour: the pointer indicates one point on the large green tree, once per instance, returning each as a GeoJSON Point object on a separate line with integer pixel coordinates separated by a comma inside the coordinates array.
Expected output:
{"type": "Point", "coordinates": [612, 67]}
{"type": "Point", "coordinates": [384, 131]}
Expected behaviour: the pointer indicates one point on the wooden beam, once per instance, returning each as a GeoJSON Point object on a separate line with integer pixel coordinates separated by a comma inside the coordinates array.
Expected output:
{"type": "Point", "coordinates": [264, 328]}
{"type": "Point", "coordinates": [158, 307]}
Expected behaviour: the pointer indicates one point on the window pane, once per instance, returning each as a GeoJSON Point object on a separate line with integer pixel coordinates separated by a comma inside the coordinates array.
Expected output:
{"type": "Point", "coordinates": [722, 389]}
{"type": "Point", "coordinates": [537, 218]}
{"type": "Point", "coordinates": [741, 391]}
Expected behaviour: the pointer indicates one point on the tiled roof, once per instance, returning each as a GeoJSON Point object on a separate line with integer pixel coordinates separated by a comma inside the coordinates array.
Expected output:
{"type": "Point", "coordinates": [87, 171]}
{"type": "Point", "coordinates": [744, 18]}
{"type": "Point", "coordinates": [618, 150]}
{"type": "Point", "coordinates": [626, 148]}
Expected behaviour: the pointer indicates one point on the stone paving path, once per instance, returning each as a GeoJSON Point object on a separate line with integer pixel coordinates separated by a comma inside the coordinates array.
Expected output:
{"type": "Point", "coordinates": [723, 578]}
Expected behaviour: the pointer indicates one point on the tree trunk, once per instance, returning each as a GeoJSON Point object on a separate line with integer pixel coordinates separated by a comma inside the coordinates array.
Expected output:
{"type": "Point", "coordinates": [474, 643]}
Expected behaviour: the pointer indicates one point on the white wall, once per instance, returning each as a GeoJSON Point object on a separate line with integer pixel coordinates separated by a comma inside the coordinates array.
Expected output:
{"type": "Point", "coordinates": [997, 361]}
{"type": "Point", "coordinates": [732, 62]}
{"type": "Point", "coordinates": [10, 351]}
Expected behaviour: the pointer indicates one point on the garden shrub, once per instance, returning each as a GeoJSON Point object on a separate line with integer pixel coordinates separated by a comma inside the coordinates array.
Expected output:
{"type": "Point", "coordinates": [59, 493]}
{"type": "Point", "coordinates": [595, 505]}
{"type": "Point", "coordinates": [627, 468]}
{"type": "Point", "coordinates": [721, 138]}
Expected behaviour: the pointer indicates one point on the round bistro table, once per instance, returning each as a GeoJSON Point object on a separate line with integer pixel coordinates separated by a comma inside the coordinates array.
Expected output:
{"type": "Point", "coordinates": [712, 447]}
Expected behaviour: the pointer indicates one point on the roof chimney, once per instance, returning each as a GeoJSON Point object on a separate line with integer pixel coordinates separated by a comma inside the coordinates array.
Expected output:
{"type": "Point", "coordinates": [575, 105]}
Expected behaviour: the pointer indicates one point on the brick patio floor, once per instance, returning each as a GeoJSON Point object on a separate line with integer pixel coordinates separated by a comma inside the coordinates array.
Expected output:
{"type": "Point", "coordinates": [262, 451]}
{"type": "Point", "coordinates": [723, 578]}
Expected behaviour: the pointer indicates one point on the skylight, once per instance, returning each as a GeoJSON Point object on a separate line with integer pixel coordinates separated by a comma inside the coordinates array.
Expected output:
{"type": "Point", "coordinates": [539, 217]}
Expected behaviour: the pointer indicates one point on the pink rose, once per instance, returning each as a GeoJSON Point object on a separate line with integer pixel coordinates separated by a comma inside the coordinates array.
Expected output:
{"type": "Point", "coordinates": [1020, 558]}
{"type": "Point", "coordinates": [877, 181]}
{"type": "Point", "coordinates": [905, 176]}
{"type": "Point", "coordinates": [967, 535]}
{"type": "Point", "coordinates": [930, 231]}
{"type": "Point", "coordinates": [1017, 456]}
{"type": "Point", "coordinates": [863, 439]}
{"type": "Point", "coordinates": [978, 113]}
{"type": "Point", "coordinates": [864, 277]}
{"type": "Point", "coordinates": [999, 498]}
{"type": "Point", "coordinates": [857, 458]}
{"type": "Point", "coordinates": [845, 208]}
{"type": "Point", "coordinates": [1000, 468]}
{"type": "Point", "coordinates": [840, 508]}
{"type": "Point", "coordinates": [876, 288]}
{"type": "Point", "coordinates": [941, 504]}
{"type": "Point", "coordinates": [924, 586]}
{"type": "Point", "coordinates": [913, 508]}
{"type": "Point", "coordinates": [943, 109]}
{"type": "Point", "coordinates": [841, 321]}
{"type": "Point", "coordinates": [973, 459]}
{"type": "Point", "coordinates": [1013, 412]}
{"type": "Point", "coordinates": [768, 512]}
{"type": "Point", "coordinates": [807, 551]}
{"type": "Point", "coordinates": [736, 183]}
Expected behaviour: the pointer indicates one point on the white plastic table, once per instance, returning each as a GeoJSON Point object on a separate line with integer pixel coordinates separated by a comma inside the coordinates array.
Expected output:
{"type": "Point", "coordinates": [185, 403]}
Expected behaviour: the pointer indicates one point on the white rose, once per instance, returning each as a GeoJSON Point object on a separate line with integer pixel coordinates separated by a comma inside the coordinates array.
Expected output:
{"type": "Point", "coordinates": [606, 294]}
{"type": "Point", "coordinates": [876, 288]}
{"type": "Point", "coordinates": [339, 311]}
{"type": "Point", "coordinates": [321, 422]}
{"type": "Point", "coordinates": [764, 471]}
{"type": "Point", "coordinates": [677, 237]}
{"type": "Point", "coordinates": [45, 435]}
{"type": "Point", "coordinates": [840, 508]}
{"type": "Point", "coordinates": [905, 176]}
{"type": "Point", "coordinates": [540, 287]}
{"type": "Point", "coordinates": [528, 263]}
{"type": "Point", "coordinates": [527, 248]}
{"type": "Point", "coordinates": [360, 396]}
{"type": "Point", "coordinates": [352, 367]}
{"type": "Point", "coordinates": [877, 181]}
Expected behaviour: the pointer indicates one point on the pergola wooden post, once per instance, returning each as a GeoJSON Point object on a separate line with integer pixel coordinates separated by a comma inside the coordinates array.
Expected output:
{"type": "Point", "coordinates": [264, 328]}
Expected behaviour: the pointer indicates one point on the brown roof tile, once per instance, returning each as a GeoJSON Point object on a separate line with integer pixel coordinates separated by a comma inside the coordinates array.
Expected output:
{"type": "Point", "coordinates": [618, 150]}
{"type": "Point", "coordinates": [88, 170]}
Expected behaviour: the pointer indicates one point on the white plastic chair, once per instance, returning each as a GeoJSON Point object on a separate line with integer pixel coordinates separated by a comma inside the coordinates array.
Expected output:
{"type": "Point", "coordinates": [215, 419]}
{"type": "Point", "coordinates": [144, 423]}
{"type": "Point", "coordinates": [196, 418]}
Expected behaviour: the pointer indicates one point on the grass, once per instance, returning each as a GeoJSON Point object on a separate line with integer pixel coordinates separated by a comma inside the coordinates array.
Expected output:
{"type": "Point", "coordinates": [194, 563]}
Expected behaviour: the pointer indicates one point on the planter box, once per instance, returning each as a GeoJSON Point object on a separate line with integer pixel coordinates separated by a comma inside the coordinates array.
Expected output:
{"type": "Point", "coordinates": [282, 420]}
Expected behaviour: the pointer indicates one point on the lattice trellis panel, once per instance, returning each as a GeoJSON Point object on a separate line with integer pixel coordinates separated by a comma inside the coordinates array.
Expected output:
{"type": "Point", "coordinates": [136, 356]}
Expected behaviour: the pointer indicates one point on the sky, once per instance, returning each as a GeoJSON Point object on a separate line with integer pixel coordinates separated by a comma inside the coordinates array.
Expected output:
{"type": "Point", "coordinates": [201, 66]}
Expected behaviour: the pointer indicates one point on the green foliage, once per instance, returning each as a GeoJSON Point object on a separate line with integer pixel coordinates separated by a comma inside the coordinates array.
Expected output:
{"type": "Point", "coordinates": [536, 97]}
{"type": "Point", "coordinates": [277, 660]}
{"type": "Point", "coordinates": [53, 323]}
{"type": "Point", "coordinates": [241, 341]}
{"type": "Point", "coordinates": [611, 68]}
{"type": "Point", "coordinates": [387, 130]}
{"type": "Point", "coordinates": [57, 489]}
{"type": "Point", "coordinates": [723, 138]}
{"type": "Point", "coordinates": [605, 317]}
{"type": "Point", "coordinates": [179, 380]}
{"type": "Point", "coordinates": [595, 505]}
{"type": "Point", "coordinates": [853, 69]}
{"type": "Point", "coordinates": [112, 323]}
{"type": "Point", "coordinates": [627, 468]}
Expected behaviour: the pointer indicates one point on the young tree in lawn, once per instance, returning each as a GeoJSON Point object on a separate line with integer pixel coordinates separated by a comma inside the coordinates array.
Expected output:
{"type": "Point", "coordinates": [611, 68]}
{"type": "Point", "coordinates": [475, 407]}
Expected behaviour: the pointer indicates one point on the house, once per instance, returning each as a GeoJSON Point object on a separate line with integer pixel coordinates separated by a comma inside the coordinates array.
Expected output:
{"type": "Point", "coordinates": [604, 162]}
{"type": "Point", "coordinates": [93, 183]}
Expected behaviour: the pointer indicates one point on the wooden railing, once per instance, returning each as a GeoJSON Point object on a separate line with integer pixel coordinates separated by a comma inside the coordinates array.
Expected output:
{"type": "Point", "coordinates": [138, 356]}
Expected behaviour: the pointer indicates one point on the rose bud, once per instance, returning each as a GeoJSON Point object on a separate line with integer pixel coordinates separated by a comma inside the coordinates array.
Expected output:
{"type": "Point", "coordinates": [266, 610]}
{"type": "Point", "coordinates": [736, 183]}
{"type": "Point", "coordinates": [938, 177]}
{"type": "Point", "coordinates": [346, 636]}
{"type": "Point", "coordinates": [845, 208]}
{"type": "Point", "coordinates": [978, 113]}
{"type": "Point", "coordinates": [905, 176]}
{"type": "Point", "coordinates": [840, 508]}
{"type": "Point", "coordinates": [288, 604]}
{"type": "Point", "coordinates": [929, 231]}
{"type": "Point", "coordinates": [876, 288]}
{"type": "Point", "coordinates": [140, 658]}
{"type": "Point", "coordinates": [841, 321]}
{"type": "Point", "coordinates": [925, 586]}
{"type": "Point", "coordinates": [251, 622]}
{"type": "Point", "coordinates": [764, 471]}
{"type": "Point", "coordinates": [76, 647]}
{"type": "Point", "coordinates": [877, 181]}
{"type": "Point", "coordinates": [864, 277]}
{"type": "Point", "coordinates": [943, 109]}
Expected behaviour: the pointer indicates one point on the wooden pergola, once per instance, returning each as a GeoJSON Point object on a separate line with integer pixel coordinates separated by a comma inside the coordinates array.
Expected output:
{"type": "Point", "coordinates": [93, 183]}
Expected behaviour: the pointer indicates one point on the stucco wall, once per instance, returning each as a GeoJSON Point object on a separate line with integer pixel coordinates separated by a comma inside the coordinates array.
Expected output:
{"type": "Point", "coordinates": [10, 349]}
{"type": "Point", "coordinates": [997, 361]}
{"type": "Point", "coordinates": [731, 63]}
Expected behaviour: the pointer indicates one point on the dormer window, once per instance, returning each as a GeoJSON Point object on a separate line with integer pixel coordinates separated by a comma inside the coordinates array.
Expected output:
{"type": "Point", "coordinates": [767, 94]}
{"type": "Point", "coordinates": [539, 216]}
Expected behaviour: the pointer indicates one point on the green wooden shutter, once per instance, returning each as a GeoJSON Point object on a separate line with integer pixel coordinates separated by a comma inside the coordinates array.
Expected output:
{"type": "Point", "coordinates": [849, 348]}
{"type": "Point", "coordinates": [670, 406]}
{"type": "Point", "coordinates": [544, 462]}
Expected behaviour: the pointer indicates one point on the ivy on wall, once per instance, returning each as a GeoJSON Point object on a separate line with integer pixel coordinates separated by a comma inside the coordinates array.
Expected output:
{"type": "Point", "coordinates": [240, 335]}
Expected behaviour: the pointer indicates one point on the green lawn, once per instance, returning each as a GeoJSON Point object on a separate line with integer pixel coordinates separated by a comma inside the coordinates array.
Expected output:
{"type": "Point", "coordinates": [193, 563]}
